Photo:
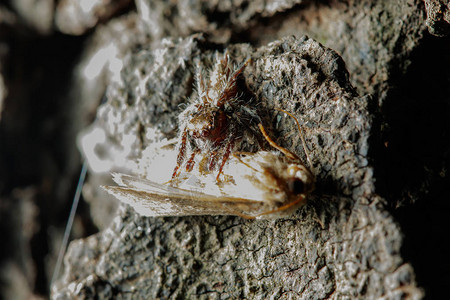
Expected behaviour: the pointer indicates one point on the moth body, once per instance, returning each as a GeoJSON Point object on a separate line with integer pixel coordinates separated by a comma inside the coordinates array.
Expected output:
{"type": "Point", "coordinates": [256, 185]}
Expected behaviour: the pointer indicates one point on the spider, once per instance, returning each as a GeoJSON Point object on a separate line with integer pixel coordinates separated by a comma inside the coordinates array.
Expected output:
{"type": "Point", "coordinates": [215, 121]}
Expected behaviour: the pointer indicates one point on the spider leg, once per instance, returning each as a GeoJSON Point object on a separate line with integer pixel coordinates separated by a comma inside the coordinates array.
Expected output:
{"type": "Point", "coordinates": [225, 64]}
{"type": "Point", "coordinates": [202, 94]}
{"type": "Point", "coordinates": [181, 154]}
{"type": "Point", "coordinates": [191, 162]}
{"type": "Point", "coordinates": [213, 160]}
{"type": "Point", "coordinates": [225, 157]}
{"type": "Point", "coordinates": [230, 90]}
{"type": "Point", "coordinates": [238, 71]}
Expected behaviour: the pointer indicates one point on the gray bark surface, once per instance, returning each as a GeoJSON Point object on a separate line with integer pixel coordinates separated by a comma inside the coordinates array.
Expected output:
{"type": "Point", "coordinates": [322, 251]}
{"type": "Point", "coordinates": [367, 80]}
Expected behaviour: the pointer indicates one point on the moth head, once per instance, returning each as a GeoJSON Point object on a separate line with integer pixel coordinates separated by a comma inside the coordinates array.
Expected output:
{"type": "Point", "coordinates": [299, 179]}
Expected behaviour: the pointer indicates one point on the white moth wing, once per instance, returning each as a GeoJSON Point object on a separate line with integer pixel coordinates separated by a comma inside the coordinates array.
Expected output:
{"type": "Point", "coordinates": [244, 178]}
{"type": "Point", "coordinates": [153, 199]}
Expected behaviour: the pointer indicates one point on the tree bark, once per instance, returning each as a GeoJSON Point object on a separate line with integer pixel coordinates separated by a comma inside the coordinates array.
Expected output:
{"type": "Point", "coordinates": [367, 80]}
{"type": "Point", "coordinates": [344, 243]}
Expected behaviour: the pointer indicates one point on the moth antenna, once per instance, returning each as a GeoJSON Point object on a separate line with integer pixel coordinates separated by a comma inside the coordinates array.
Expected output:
{"type": "Point", "coordinates": [76, 200]}
{"type": "Point", "coordinates": [285, 151]}
{"type": "Point", "coordinates": [302, 137]}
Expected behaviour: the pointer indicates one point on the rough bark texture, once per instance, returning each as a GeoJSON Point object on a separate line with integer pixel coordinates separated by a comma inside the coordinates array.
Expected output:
{"type": "Point", "coordinates": [77, 17]}
{"type": "Point", "coordinates": [228, 257]}
{"type": "Point", "coordinates": [365, 79]}
{"type": "Point", "coordinates": [438, 17]}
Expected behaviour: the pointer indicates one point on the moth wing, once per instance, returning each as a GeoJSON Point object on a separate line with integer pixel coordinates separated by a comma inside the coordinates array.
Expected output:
{"type": "Point", "coordinates": [149, 198]}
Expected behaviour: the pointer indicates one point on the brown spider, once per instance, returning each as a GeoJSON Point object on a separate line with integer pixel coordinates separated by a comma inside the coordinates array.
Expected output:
{"type": "Point", "coordinates": [215, 121]}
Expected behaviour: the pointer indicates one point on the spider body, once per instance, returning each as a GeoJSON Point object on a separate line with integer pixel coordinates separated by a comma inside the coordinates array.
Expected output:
{"type": "Point", "coordinates": [213, 123]}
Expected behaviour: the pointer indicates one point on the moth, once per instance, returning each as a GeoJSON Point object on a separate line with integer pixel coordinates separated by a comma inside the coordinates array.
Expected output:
{"type": "Point", "coordinates": [256, 185]}
{"type": "Point", "coordinates": [215, 121]}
